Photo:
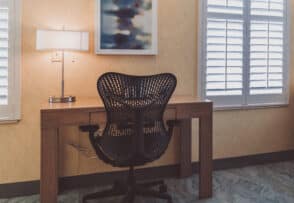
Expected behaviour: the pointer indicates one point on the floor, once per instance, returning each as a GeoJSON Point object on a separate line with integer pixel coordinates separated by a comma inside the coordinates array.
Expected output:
{"type": "Point", "coordinates": [272, 183]}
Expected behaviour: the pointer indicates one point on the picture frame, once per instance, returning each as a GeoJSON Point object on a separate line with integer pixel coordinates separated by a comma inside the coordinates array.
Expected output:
{"type": "Point", "coordinates": [126, 27]}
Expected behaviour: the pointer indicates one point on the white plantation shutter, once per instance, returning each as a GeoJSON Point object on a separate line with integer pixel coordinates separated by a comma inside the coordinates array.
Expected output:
{"type": "Point", "coordinates": [224, 51]}
{"type": "Point", "coordinates": [243, 54]}
{"type": "Point", "coordinates": [4, 53]}
{"type": "Point", "coordinates": [9, 59]}
{"type": "Point", "coordinates": [224, 57]}
{"type": "Point", "coordinates": [268, 52]}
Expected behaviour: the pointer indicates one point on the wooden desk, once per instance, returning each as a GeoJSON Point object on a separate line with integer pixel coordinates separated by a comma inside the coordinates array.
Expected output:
{"type": "Point", "coordinates": [54, 116]}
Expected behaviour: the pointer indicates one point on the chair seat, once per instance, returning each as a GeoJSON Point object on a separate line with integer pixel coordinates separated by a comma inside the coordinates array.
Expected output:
{"type": "Point", "coordinates": [120, 155]}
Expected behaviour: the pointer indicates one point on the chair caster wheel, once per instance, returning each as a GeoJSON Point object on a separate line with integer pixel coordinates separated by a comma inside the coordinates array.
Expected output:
{"type": "Point", "coordinates": [163, 189]}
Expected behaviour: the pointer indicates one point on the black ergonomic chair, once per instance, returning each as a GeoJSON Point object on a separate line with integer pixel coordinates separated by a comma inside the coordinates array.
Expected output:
{"type": "Point", "coordinates": [135, 133]}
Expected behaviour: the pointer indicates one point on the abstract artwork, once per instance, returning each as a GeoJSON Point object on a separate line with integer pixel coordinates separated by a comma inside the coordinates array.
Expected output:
{"type": "Point", "coordinates": [126, 27]}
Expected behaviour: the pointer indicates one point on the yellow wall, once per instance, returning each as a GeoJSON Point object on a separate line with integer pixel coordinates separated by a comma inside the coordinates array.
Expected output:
{"type": "Point", "coordinates": [236, 133]}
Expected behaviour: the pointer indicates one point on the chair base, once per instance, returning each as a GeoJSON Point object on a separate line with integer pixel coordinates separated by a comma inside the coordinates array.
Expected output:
{"type": "Point", "coordinates": [129, 192]}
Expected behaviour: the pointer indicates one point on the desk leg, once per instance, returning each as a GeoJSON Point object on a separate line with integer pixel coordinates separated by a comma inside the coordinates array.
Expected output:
{"type": "Point", "coordinates": [49, 166]}
{"type": "Point", "coordinates": [205, 156]}
{"type": "Point", "coordinates": [186, 148]}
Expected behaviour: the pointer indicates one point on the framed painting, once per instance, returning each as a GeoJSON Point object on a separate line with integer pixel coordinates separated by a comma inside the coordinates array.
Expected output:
{"type": "Point", "coordinates": [126, 27]}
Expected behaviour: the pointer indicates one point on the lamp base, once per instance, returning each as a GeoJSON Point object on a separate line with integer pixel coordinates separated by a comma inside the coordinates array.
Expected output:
{"type": "Point", "coordinates": [65, 99]}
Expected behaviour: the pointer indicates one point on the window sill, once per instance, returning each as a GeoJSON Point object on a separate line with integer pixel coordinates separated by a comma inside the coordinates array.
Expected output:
{"type": "Point", "coordinates": [5, 122]}
{"type": "Point", "coordinates": [250, 107]}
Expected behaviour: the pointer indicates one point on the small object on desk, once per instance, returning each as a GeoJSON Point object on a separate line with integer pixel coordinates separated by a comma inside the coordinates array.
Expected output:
{"type": "Point", "coordinates": [64, 99]}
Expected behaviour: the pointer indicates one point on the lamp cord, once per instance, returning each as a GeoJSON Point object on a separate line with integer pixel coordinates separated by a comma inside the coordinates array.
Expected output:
{"type": "Point", "coordinates": [62, 75]}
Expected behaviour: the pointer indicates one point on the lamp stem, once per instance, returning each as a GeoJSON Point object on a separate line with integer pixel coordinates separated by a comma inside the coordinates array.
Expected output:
{"type": "Point", "coordinates": [62, 75]}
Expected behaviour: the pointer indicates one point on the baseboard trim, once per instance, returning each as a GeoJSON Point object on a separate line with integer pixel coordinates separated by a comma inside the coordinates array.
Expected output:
{"type": "Point", "coordinates": [68, 183]}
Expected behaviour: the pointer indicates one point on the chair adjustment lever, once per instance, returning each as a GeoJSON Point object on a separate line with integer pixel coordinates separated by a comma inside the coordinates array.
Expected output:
{"type": "Point", "coordinates": [89, 128]}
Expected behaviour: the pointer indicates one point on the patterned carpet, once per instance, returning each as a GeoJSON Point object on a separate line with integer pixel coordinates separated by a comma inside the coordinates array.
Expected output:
{"type": "Point", "coordinates": [272, 183]}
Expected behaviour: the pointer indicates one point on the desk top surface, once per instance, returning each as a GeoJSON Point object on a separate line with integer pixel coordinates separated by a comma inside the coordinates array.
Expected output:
{"type": "Point", "coordinates": [84, 103]}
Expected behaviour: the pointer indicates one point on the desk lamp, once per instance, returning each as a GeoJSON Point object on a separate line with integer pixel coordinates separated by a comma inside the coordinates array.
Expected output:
{"type": "Point", "coordinates": [62, 40]}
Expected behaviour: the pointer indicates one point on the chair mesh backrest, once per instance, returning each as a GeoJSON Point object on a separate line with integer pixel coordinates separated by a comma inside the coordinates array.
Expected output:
{"type": "Point", "coordinates": [124, 96]}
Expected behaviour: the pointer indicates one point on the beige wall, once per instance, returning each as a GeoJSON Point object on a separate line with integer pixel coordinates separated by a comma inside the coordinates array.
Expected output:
{"type": "Point", "coordinates": [236, 133]}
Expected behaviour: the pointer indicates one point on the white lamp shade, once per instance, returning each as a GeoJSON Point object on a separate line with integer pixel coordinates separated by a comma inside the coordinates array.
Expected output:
{"type": "Point", "coordinates": [62, 40]}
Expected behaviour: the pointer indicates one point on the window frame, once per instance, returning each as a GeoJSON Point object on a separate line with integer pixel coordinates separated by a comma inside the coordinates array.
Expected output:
{"type": "Point", "coordinates": [244, 101]}
{"type": "Point", "coordinates": [11, 112]}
